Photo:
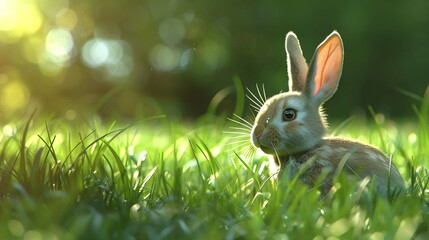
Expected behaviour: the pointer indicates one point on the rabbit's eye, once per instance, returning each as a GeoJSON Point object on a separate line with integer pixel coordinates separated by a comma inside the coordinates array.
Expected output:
{"type": "Point", "coordinates": [289, 114]}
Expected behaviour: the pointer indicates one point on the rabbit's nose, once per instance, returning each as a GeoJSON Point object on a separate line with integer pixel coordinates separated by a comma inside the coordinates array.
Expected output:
{"type": "Point", "coordinates": [258, 131]}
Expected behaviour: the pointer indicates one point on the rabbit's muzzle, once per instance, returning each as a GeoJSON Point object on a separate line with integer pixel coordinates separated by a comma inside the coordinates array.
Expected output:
{"type": "Point", "coordinates": [266, 138]}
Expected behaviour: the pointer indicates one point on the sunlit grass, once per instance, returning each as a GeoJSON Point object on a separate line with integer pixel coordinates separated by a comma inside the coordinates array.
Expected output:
{"type": "Point", "coordinates": [158, 179]}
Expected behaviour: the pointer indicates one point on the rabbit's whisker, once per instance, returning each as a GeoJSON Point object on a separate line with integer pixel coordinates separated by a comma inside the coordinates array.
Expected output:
{"type": "Point", "coordinates": [238, 146]}
{"type": "Point", "coordinates": [254, 107]}
{"type": "Point", "coordinates": [252, 97]}
{"type": "Point", "coordinates": [239, 141]}
{"type": "Point", "coordinates": [241, 128]}
{"type": "Point", "coordinates": [259, 93]}
{"type": "Point", "coordinates": [263, 91]}
{"type": "Point", "coordinates": [234, 133]}
{"type": "Point", "coordinates": [240, 137]}
{"type": "Point", "coordinates": [283, 147]}
{"type": "Point", "coordinates": [241, 121]}
{"type": "Point", "coordinates": [249, 151]}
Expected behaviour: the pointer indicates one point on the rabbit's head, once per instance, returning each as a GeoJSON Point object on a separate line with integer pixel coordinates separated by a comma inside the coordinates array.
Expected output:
{"type": "Point", "coordinates": [294, 122]}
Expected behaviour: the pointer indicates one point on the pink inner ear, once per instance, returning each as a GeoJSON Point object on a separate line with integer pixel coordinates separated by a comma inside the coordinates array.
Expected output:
{"type": "Point", "coordinates": [328, 65]}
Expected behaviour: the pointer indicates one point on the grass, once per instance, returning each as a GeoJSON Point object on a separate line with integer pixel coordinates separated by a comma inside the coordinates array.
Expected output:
{"type": "Point", "coordinates": [163, 180]}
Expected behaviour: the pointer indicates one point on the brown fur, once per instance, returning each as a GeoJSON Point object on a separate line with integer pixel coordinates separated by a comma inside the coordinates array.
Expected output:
{"type": "Point", "coordinates": [293, 126]}
{"type": "Point", "coordinates": [359, 160]}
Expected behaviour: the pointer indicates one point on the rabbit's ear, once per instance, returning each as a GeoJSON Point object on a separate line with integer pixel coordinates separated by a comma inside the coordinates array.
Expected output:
{"type": "Point", "coordinates": [325, 69]}
{"type": "Point", "coordinates": [296, 65]}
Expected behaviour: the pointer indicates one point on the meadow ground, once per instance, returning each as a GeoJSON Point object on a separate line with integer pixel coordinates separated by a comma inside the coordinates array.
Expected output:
{"type": "Point", "coordinates": [158, 179]}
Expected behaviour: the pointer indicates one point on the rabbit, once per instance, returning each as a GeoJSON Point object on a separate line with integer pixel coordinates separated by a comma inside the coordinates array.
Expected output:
{"type": "Point", "coordinates": [290, 127]}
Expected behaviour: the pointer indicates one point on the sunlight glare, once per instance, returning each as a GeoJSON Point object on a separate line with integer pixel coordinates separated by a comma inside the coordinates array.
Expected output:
{"type": "Point", "coordinates": [70, 114]}
{"type": "Point", "coordinates": [13, 94]}
{"type": "Point", "coordinates": [8, 15]}
{"type": "Point", "coordinates": [18, 18]}
{"type": "Point", "coordinates": [142, 155]}
{"type": "Point", "coordinates": [186, 58]}
{"type": "Point", "coordinates": [120, 62]}
{"type": "Point", "coordinates": [8, 130]}
{"type": "Point", "coordinates": [135, 211]}
{"type": "Point", "coordinates": [16, 228]}
{"type": "Point", "coordinates": [164, 58]}
{"type": "Point", "coordinates": [172, 31]}
{"type": "Point", "coordinates": [59, 45]}
{"type": "Point", "coordinates": [32, 235]}
{"type": "Point", "coordinates": [114, 55]}
{"type": "Point", "coordinates": [339, 227]}
{"type": "Point", "coordinates": [46, 67]}
{"type": "Point", "coordinates": [130, 150]}
{"type": "Point", "coordinates": [95, 52]}
{"type": "Point", "coordinates": [412, 138]}
{"type": "Point", "coordinates": [380, 118]}
{"type": "Point", "coordinates": [212, 53]}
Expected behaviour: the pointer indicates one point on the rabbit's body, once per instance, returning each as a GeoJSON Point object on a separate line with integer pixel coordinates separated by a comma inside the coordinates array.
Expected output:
{"type": "Point", "coordinates": [352, 157]}
{"type": "Point", "coordinates": [291, 126]}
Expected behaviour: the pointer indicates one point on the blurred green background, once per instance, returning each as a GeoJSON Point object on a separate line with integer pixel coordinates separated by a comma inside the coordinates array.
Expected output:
{"type": "Point", "coordinates": [137, 58]}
